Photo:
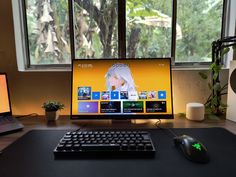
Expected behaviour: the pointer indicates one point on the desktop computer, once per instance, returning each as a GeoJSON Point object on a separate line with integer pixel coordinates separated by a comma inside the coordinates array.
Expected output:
{"type": "Point", "coordinates": [121, 89]}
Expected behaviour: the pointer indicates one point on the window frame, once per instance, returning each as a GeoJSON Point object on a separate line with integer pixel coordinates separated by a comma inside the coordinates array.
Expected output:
{"type": "Point", "coordinates": [22, 47]}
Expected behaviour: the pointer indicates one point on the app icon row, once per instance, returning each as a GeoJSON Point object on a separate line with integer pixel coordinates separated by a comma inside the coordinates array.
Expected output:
{"type": "Point", "coordinates": [85, 93]}
{"type": "Point", "coordinates": [121, 107]}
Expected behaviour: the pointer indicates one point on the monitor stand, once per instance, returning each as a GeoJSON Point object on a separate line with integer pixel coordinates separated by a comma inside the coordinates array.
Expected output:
{"type": "Point", "coordinates": [124, 121]}
{"type": "Point", "coordinates": [130, 123]}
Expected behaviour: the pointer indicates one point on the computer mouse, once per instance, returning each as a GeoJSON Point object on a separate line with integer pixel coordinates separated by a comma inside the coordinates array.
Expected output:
{"type": "Point", "coordinates": [192, 149]}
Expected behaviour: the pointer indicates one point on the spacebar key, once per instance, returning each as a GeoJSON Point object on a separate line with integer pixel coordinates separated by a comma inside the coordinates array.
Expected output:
{"type": "Point", "coordinates": [100, 147]}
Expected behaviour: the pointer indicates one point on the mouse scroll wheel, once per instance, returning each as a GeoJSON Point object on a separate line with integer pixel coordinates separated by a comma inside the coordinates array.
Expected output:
{"type": "Point", "coordinates": [177, 141]}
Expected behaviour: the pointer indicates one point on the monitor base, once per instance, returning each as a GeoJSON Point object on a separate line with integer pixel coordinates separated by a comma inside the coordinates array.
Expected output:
{"type": "Point", "coordinates": [131, 122]}
{"type": "Point", "coordinates": [118, 121]}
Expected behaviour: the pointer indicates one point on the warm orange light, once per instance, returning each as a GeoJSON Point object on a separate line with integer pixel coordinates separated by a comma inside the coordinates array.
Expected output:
{"type": "Point", "coordinates": [4, 100]}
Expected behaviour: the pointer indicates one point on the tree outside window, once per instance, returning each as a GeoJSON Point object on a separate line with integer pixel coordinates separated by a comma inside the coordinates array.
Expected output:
{"type": "Point", "coordinates": [97, 25]}
{"type": "Point", "coordinates": [48, 32]}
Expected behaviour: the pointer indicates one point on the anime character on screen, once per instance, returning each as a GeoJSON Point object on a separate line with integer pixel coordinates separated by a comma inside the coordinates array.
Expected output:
{"type": "Point", "coordinates": [119, 78]}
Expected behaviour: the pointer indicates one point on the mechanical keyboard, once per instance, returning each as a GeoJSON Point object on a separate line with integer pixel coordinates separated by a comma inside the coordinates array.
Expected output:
{"type": "Point", "coordinates": [105, 142]}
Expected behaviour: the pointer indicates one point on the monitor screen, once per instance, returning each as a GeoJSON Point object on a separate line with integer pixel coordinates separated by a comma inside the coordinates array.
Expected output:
{"type": "Point", "coordinates": [121, 89]}
{"type": "Point", "coordinates": [4, 97]}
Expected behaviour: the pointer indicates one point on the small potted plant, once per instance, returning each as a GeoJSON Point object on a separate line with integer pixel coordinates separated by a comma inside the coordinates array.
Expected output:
{"type": "Point", "coordinates": [51, 109]}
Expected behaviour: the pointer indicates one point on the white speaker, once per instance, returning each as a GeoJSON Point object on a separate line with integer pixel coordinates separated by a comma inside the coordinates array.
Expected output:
{"type": "Point", "coordinates": [231, 102]}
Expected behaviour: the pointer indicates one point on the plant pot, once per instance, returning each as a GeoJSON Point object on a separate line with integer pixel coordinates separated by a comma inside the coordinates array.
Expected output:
{"type": "Point", "coordinates": [51, 115]}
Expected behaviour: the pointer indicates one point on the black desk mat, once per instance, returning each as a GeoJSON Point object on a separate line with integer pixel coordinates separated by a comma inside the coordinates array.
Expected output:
{"type": "Point", "coordinates": [32, 156]}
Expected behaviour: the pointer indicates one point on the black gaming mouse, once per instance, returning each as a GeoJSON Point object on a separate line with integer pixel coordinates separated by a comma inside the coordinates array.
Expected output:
{"type": "Point", "coordinates": [192, 149]}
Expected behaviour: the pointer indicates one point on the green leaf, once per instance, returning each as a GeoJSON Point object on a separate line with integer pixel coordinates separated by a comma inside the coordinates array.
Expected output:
{"type": "Point", "coordinates": [215, 76]}
{"type": "Point", "coordinates": [214, 102]}
{"type": "Point", "coordinates": [203, 75]}
{"type": "Point", "coordinates": [182, 115]}
{"type": "Point", "coordinates": [142, 12]}
{"type": "Point", "coordinates": [226, 50]}
{"type": "Point", "coordinates": [207, 110]}
{"type": "Point", "coordinates": [208, 104]}
{"type": "Point", "coordinates": [217, 87]}
{"type": "Point", "coordinates": [210, 86]}
{"type": "Point", "coordinates": [212, 66]}
{"type": "Point", "coordinates": [211, 116]}
{"type": "Point", "coordinates": [223, 105]}
{"type": "Point", "coordinates": [217, 68]}
{"type": "Point", "coordinates": [52, 106]}
{"type": "Point", "coordinates": [234, 46]}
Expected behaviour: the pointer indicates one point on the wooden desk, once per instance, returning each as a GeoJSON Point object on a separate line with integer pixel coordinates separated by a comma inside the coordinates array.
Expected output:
{"type": "Point", "coordinates": [64, 123]}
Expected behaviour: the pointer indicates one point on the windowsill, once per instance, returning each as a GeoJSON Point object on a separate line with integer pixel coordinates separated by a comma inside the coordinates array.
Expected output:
{"type": "Point", "coordinates": [188, 68]}
{"type": "Point", "coordinates": [64, 69]}
{"type": "Point", "coordinates": [68, 69]}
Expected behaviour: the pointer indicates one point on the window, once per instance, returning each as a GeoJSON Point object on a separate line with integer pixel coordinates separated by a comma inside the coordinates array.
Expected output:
{"type": "Point", "coordinates": [48, 32]}
{"type": "Point", "coordinates": [200, 23]}
{"type": "Point", "coordinates": [58, 30]}
{"type": "Point", "coordinates": [148, 28]}
{"type": "Point", "coordinates": [95, 25]}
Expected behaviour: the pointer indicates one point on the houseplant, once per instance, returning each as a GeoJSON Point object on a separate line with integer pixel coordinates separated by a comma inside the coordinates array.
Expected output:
{"type": "Point", "coordinates": [214, 104]}
{"type": "Point", "coordinates": [51, 109]}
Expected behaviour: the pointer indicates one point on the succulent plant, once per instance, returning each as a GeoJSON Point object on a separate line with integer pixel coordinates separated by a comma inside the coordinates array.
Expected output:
{"type": "Point", "coordinates": [52, 106]}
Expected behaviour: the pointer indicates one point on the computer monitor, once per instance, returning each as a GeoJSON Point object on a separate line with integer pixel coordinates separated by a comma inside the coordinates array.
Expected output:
{"type": "Point", "coordinates": [5, 107]}
{"type": "Point", "coordinates": [121, 89]}
{"type": "Point", "coordinates": [8, 123]}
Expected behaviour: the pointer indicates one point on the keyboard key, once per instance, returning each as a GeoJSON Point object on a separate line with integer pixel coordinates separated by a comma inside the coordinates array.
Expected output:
{"type": "Point", "coordinates": [99, 147]}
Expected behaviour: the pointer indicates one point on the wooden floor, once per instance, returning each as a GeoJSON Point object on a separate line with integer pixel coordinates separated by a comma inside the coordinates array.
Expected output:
{"type": "Point", "coordinates": [64, 123]}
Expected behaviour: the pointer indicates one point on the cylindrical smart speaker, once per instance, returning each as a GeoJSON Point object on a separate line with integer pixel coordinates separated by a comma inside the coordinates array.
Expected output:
{"type": "Point", "coordinates": [195, 111]}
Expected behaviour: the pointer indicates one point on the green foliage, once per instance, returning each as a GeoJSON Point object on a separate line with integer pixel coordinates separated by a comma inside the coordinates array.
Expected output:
{"type": "Point", "coordinates": [46, 34]}
{"type": "Point", "coordinates": [214, 104]}
{"type": "Point", "coordinates": [217, 87]}
{"type": "Point", "coordinates": [97, 45]}
{"type": "Point", "coordinates": [143, 12]}
{"type": "Point", "coordinates": [155, 38]}
{"type": "Point", "coordinates": [225, 51]}
{"type": "Point", "coordinates": [96, 29]}
{"type": "Point", "coordinates": [200, 22]}
{"type": "Point", "coordinates": [210, 86]}
{"type": "Point", "coordinates": [52, 106]}
{"type": "Point", "coordinates": [203, 75]}
{"type": "Point", "coordinates": [182, 115]}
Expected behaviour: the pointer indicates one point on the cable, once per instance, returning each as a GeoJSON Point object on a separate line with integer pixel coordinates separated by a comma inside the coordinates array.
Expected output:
{"type": "Point", "coordinates": [82, 126]}
{"type": "Point", "coordinates": [28, 115]}
{"type": "Point", "coordinates": [158, 123]}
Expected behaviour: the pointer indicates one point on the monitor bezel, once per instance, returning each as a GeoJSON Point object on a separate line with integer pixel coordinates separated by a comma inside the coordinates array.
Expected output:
{"type": "Point", "coordinates": [116, 116]}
